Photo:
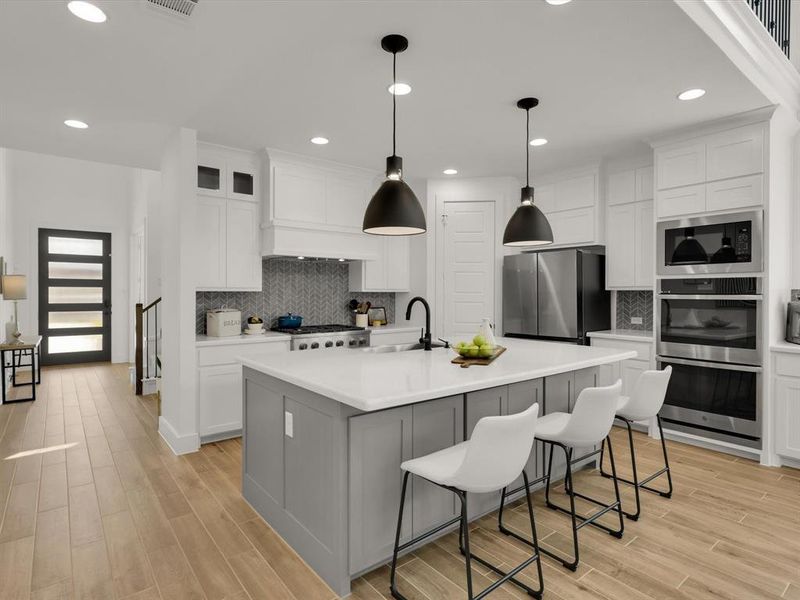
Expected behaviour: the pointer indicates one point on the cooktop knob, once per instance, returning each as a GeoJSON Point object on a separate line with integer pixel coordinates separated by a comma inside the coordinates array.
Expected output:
{"type": "Point", "coordinates": [314, 345]}
{"type": "Point", "coordinates": [302, 346]}
{"type": "Point", "coordinates": [329, 344]}
{"type": "Point", "coordinates": [339, 343]}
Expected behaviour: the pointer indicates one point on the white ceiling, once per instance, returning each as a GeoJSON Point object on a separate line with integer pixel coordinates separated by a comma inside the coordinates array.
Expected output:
{"type": "Point", "coordinates": [250, 74]}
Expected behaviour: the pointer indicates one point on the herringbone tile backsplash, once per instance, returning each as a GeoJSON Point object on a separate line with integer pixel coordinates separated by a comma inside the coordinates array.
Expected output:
{"type": "Point", "coordinates": [634, 303]}
{"type": "Point", "coordinates": [317, 291]}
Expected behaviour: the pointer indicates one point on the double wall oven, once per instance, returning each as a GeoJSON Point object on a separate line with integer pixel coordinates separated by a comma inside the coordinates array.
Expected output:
{"type": "Point", "coordinates": [709, 330]}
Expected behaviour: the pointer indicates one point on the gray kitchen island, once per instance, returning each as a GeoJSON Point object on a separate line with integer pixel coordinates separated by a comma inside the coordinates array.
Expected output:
{"type": "Point", "coordinates": [324, 434]}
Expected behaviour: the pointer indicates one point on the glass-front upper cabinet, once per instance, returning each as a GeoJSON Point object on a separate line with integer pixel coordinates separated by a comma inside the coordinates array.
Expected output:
{"type": "Point", "coordinates": [211, 175]}
{"type": "Point", "coordinates": [242, 180]}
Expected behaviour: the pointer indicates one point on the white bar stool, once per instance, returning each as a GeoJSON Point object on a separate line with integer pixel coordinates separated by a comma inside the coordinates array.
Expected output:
{"type": "Point", "coordinates": [644, 404]}
{"type": "Point", "coordinates": [588, 425]}
{"type": "Point", "coordinates": [489, 461]}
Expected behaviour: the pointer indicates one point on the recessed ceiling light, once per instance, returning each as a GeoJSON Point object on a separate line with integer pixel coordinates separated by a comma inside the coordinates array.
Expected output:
{"type": "Point", "coordinates": [86, 11]}
{"type": "Point", "coordinates": [692, 94]}
{"type": "Point", "coordinates": [450, 171]}
{"type": "Point", "coordinates": [538, 142]}
{"type": "Point", "coordinates": [557, 2]}
{"type": "Point", "coordinates": [341, 260]}
{"type": "Point", "coordinates": [75, 124]}
{"type": "Point", "coordinates": [399, 89]}
{"type": "Point", "coordinates": [319, 141]}
{"type": "Point", "coordinates": [301, 258]}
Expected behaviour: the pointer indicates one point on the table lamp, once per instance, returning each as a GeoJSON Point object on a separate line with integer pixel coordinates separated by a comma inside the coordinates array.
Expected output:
{"type": "Point", "coordinates": [15, 288]}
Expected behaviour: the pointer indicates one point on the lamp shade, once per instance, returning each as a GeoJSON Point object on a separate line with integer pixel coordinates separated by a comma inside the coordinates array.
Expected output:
{"type": "Point", "coordinates": [394, 210]}
{"type": "Point", "coordinates": [527, 227]}
{"type": "Point", "coordinates": [689, 251]}
{"type": "Point", "coordinates": [15, 287]}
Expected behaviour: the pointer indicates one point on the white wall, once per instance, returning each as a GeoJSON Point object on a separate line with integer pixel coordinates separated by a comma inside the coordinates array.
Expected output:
{"type": "Point", "coordinates": [6, 238]}
{"type": "Point", "coordinates": [64, 193]}
{"type": "Point", "coordinates": [418, 280]}
{"type": "Point", "coordinates": [178, 421]}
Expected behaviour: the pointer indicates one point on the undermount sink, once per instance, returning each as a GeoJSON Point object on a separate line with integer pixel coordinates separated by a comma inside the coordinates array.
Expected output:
{"type": "Point", "coordinates": [397, 348]}
{"type": "Point", "coordinates": [393, 348]}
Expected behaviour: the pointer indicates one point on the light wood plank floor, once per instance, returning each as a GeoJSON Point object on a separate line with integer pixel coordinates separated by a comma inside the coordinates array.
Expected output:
{"type": "Point", "coordinates": [94, 505]}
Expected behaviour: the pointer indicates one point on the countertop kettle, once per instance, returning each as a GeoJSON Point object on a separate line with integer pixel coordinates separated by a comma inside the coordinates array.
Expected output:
{"type": "Point", "coordinates": [793, 322]}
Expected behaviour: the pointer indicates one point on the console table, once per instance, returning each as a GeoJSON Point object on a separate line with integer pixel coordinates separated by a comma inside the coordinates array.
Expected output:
{"type": "Point", "coordinates": [32, 347]}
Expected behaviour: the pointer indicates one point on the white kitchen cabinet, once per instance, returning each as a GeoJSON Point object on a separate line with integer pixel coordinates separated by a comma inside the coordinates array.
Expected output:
{"type": "Point", "coordinates": [220, 395]}
{"type": "Point", "coordinates": [570, 200]}
{"type": "Point", "coordinates": [629, 246]}
{"type": "Point", "coordinates": [786, 391]}
{"type": "Point", "coordinates": [574, 227]}
{"type": "Point", "coordinates": [210, 242]}
{"type": "Point", "coordinates": [741, 192]}
{"type": "Point", "coordinates": [621, 246]}
{"type": "Point", "coordinates": [576, 192]}
{"type": "Point", "coordinates": [622, 187]}
{"type": "Point", "coordinates": [681, 165]}
{"type": "Point", "coordinates": [219, 386]}
{"type": "Point", "coordinates": [735, 153]}
{"type": "Point", "coordinates": [681, 201]}
{"type": "Point", "coordinates": [243, 256]}
{"type": "Point", "coordinates": [227, 245]}
{"type": "Point", "coordinates": [629, 370]}
{"type": "Point", "coordinates": [644, 183]}
{"type": "Point", "coordinates": [644, 245]}
{"type": "Point", "coordinates": [389, 273]}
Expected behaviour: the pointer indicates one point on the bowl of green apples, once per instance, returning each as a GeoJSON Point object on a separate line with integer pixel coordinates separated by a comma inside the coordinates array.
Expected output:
{"type": "Point", "coordinates": [477, 348]}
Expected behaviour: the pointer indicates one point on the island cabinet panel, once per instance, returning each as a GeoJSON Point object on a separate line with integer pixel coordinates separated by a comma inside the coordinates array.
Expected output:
{"type": "Point", "coordinates": [483, 403]}
{"type": "Point", "coordinates": [520, 397]}
{"type": "Point", "coordinates": [310, 467]}
{"type": "Point", "coordinates": [379, 443]}
{"type": "Point", "coordinates": [436, 425]}
{"type": "Point", "coordinates": [263, 453]}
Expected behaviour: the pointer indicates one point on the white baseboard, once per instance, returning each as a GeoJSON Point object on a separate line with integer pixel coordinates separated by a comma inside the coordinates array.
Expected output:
{"type": "Point", "coordinates": [180, 444]}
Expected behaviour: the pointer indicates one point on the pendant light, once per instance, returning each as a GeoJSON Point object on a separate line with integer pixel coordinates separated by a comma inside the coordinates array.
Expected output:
{"type": "Point", "coordinates": [528, 226]}
{"type": "Point", "coordinates": [394, 209]}
{"type": "Point", "coordinates": [689, 251]}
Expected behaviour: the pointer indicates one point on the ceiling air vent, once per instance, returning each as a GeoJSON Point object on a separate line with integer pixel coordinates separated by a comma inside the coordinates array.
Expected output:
{"type": "Point", "coordinates": [176, 7]}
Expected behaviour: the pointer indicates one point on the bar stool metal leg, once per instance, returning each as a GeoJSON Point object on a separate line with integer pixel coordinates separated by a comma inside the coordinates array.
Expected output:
{"type": "Point", "coordinates": [635, 482]}
{"type": "Point", "coordinates": [464, 547]}
{"type": "Point", "coordinates": [575, 517]}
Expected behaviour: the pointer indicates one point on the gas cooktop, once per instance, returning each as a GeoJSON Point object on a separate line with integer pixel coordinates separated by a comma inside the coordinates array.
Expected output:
{"type": "Point", "coordinates": [317, 329]}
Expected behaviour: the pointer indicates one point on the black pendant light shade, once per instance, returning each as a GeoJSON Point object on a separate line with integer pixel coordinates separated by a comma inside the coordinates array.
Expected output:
{"type": "Point", "coordinates": [689, 251]}
{"type": "Point", "coordinates": [726, 253]}
{"type": "Point", "coordinates": [394, 209]}
{"type": "Point", "coordinates": [528, 226]}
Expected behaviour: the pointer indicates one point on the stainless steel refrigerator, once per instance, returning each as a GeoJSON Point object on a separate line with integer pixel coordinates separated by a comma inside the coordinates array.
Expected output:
{"type": "Point", "coordinates": [555, 294]}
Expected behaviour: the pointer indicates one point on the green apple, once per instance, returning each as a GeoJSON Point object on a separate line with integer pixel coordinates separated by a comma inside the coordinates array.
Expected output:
{"type": "Point", "coordinates": [473, 350]}
{"type": "Point", "coordinates": [486, 351]}
{"type": "Point", "coordinates": [479, 340]}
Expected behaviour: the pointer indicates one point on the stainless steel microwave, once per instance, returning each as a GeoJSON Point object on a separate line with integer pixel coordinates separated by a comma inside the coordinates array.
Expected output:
{"type": "Point", "coordinates": [716, 244]}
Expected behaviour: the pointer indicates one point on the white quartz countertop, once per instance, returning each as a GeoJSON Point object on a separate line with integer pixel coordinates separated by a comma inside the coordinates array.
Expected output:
{"type": "Point", "coordinates": [631, 335]}
{"type": "Point", "coordinates": [245, 338]}
{"type": "Point", "coordinates": [374, 381]}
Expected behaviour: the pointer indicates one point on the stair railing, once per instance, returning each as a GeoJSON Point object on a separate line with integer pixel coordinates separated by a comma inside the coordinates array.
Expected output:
{"type": "Point", "coordinates": [143, 343]}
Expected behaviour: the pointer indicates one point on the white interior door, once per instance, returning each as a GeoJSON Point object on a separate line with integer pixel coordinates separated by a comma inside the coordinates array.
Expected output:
{"type": "Point", "coordinates": [469, 270]}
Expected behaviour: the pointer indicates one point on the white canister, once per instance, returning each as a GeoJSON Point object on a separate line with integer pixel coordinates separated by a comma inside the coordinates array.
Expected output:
{"type": "Point", "coordinates": [362, 320]}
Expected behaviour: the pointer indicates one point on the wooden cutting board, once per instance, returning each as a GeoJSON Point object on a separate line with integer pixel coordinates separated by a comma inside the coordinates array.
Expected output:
{"type": "Point", "coordinates": [467, 362]}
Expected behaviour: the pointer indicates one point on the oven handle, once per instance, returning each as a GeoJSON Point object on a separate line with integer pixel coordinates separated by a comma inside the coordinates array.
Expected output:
{"type": "Point", "coordinates": [709, 365]}
{"type": "Point", "coordinates": [757, 297]}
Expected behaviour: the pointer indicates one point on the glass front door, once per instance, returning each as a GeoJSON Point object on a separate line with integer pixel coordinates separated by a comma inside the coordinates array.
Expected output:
{"type": "Point", "coordinates": [74, 296]}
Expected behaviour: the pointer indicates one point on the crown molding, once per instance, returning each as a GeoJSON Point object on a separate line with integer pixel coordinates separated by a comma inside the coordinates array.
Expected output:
{"type": "Point", "coordinates": [735, 28]}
